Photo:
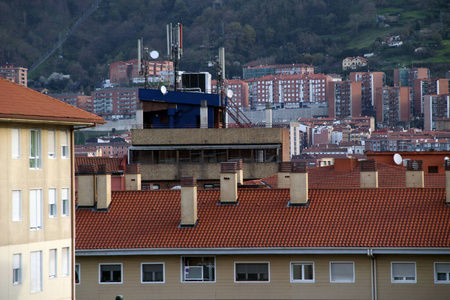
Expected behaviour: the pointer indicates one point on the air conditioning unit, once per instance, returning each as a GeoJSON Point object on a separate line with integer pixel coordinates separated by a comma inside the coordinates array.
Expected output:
{"type": "Point", "coordinates": [193, 273]}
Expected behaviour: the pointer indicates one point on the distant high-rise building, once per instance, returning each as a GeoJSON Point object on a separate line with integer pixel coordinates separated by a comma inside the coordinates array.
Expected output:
{"type": "Point", "coordinates": [435, 107]}
{"type": "Point", "coordinates": [115, 103]}
{"type": "Point", "coordinates": [371, 81]}
{"type": "Point", "coordinates": [344, 99]}
{"type": "Point", "coordinates": [78, 100]}
{"type": "Point", "coordinates": [424, 87]}
{"type": "Point", "coordinates": [406, 76]}
{"type": "Point", "coordinates": [15, 74]}
{"type": "Point", "coordinates": [126, 72]}
{"type": "Point", "coordinates": [250, 72]}
{"type": "Point", "coordinates": [393, 105]}
{"type": "Point", "coordinates": [239, 88]}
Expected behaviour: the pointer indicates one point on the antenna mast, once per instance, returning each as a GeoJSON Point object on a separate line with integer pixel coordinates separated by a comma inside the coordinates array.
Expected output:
{"type": "Point", "coordinates": [175, 48]}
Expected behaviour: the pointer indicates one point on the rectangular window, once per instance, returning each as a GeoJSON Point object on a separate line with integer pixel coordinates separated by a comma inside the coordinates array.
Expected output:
{"type": "Point", "coordinates": [198, 268]}
{"type": "Point", "coordinates": [65, 262]}
{"type": "Point", "coordinates": [77, 274]}
{"type": "Point", "coordinates": [15, 142]}
{"type": "Point", "coordinates": [17, 269]}
{"type": "Point", "coordinates": [17, 205]}
{"type": "Point", "coordinates": [52, 263]}
{"type": "Point", "coordinates": [65, 202]}
{"type": "Point", "coordinates": [442, 272]}
{"type": "Point", "coordinates": [110, 273]}
{"type": "Point", "coordinates": [403, 272]}
{"type": "Point", "coordinates": [35, 209]}
{"type": "Point", "coordinates": [64, 144]}
{"type": "Point", "coordinates": [342, 272]}
{"type": "Point", "coordinates": [36, 271]}
{"type": "Point", "coordinates": [152, 272]}
{"type": "Point", "coordinates": [302, 272]}
{"type": "Point", "coordinates": [51, 144]}
{"type": "Point", "coordinates": [251, 272]}
{"type": "Point", "coordinates": [35, 149]}
{"type": "Point", "coordinates": [52, 212]}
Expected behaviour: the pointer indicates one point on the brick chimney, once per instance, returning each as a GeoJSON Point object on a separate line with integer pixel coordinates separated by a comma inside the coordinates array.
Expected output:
{"type": "Point", "coordinates": [103, 187]}
{"type": "Point", "coordinates": [228, 182]}
{"type": "Point", "coordinates": [368, 176]}
{"type": "Point", "coordinates": [188, 201]}
{"type": "Point", "coordinates": [133, 177]}
{"type": "Point", "coordinates": [284, 175]}
{"type": "Point", "coordinates": [447, 181]}
{"type": "Point", "coordinates": [86, 187]}
{"type": "Point", "coordinates": [414, 174]}
{"type": "Point", "coordinates": [203, 114]}
{"type": "Point", "coordinates": [299, 184]}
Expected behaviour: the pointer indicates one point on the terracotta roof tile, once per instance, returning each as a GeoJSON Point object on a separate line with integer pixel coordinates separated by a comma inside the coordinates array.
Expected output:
{"type": "Point", "coordinates": [115, 164]}
{"type": "Point", "coordinates": [334, 218]}
{"type": "Point", "coordinates": [19, 102]}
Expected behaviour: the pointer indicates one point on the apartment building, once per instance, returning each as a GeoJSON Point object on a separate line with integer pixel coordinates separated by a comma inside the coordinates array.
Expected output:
{"type": "Point", "coordinates": [126, 72]}
{"type": "Point", "coordinates": [393, 106]}
{"type": "Point", "coordinates": [115, 103]}
{"type": "Point", "coordinates": [353, 62]}
{"type": "Point", "coordinates": [344, 99]}
{"type": "Point", "coordinates": [76, 99]}
{"type": "Point", "coordinates": [406, 76]}
{"type": "Point", "coordinates": [435, 107]}
{"type": "Point", "coordinates": [423, 87]}
{"type": "Point", "coordinates": [293, 241]}
{"type": "Point", "coordinates": [370, 82]}
{"type": "Point", "coordinates": [37, 193]}
{"type": "Point", "coordinates": [239, 89]}
{"type": "Point", "coordinates": [288, 91]}
{"type": "Point", "coordinates": [18, 75]}
{"type": "Point", "coordinates": [251, 72]}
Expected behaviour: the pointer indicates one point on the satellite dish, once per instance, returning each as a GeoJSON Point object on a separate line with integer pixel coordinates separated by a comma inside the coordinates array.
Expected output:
{"type": "Point", "coordinates": [154, 54]}
{"type": "Point", "coordinates": [163, 90]}
{"type": "Point", "coordinates": [398, 159]}
{"type": "Point", "coordinates": [229, 93]}
{"type": "Point", "coordinates": [446, 158]}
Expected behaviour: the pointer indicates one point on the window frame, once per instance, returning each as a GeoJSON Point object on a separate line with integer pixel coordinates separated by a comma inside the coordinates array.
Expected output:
{"type": "Point", "coordinates": [65, 144]}
{"type": "Point", "coordinates": [436, 281]}
{"type": "Point", "coordinates": [153, 263]}
{"type": "Point", "coordinates": [65, 261]}
{"type": "Point", "coordinates": [403, 280]}
{"type": "Point", "coordinates": [35, 159]}
{"type": "Point", "coordinates": [39, 212]}
{"type": "Point", "coordinates": [110, 282]}
{"type": "Point", "coordinates": [53, 268]}
{"type": "Point", "coordinates": [55, 201]}
{"type": "Point", "coordinates": [182, 264]}
{"type": "Point", "coordinates": [18, 205]}
{"type": "Point", "coordinates": [39, 278]}
{"type": "Point", "coordinates": [77, 271]}
{"type": "Point", "coordinates": [65, 202]}
{"type": "Point", "coordinates": [343, 281]}
{"type": "Point", "coordinates": [249, 263]}
{"type": "Point", "coordinates": [51, 143]}
{"type": "Point", "coordinates": [15, 141]}
{"type": "Point", "coordinates": [19, 268]}
{"type": "Point", "coordinates": [302, 263]}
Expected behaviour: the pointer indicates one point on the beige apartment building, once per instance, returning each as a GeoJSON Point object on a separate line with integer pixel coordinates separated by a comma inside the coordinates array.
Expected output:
{"type": "Point", "coordinates": [37, 193]}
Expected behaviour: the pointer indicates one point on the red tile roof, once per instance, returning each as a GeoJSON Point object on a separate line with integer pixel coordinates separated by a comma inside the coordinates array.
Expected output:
{"type": "Point", "coordinates": [262, 219]}
{"type": "Point", "coordinates": [18, 102]}
{"type": "Point", "coordinates": [115, 164]}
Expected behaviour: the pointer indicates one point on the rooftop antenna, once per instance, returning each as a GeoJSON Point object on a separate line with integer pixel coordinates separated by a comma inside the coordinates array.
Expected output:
{"type": "Point", "coordinates": [143, 57]}
{"type": "Point", "coordinates": [175, 48]}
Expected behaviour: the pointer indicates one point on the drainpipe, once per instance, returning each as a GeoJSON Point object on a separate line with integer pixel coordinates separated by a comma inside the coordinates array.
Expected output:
{"type": "Point", "coordinates": [373, 275]}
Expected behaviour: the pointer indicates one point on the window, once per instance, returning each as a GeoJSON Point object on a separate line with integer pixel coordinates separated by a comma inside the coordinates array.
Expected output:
{"type": "Point", "coordinates": [251, 272]}
{"type": "Point", "coordinates": [65, 261]}
{"type": "Point", "coordinates": [51, 144]}
{"type": "Point", "coordinates": [302, 272]}
{"type": "Point", "coordinates": [15, 142]}
{"type": "Point", "coordinates": [65, 202]}
{"type": "Point", "coordinates": [442, 272]}
{"type": "Point", "coordinates": [198, 268]}
{"type": "Point", "coordinates": [52, 212]}
{"type": "Point", "coordinates": [36, 271]}
{"type": "Point", "coordinates": [152, 272]}
{"type": "Point", "coordinates": [52, 263]}
{"type": "Point", "coordinates": [342, 272]}
{"type": "Point", "coordinates": [77, 274]}
{"type": "Point", "coordinates": [17, 269]}
{"type": "Point", "coordinates": [110, 273]}
{"type": "Point", "coordinates": [35, 149]}
{"type": "Point", "coordinates": [403, 272]}
{"type": "Point", "coordinates": [17, 205]}
{"type": "Point", "coordinates": [35, 209]}
{"type": "Point", "coordinates": [64, 144]}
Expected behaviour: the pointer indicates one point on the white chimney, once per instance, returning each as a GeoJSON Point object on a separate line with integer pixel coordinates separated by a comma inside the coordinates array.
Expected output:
{"type": "Point", "coordinates": [414, 174]}
{"type": "Point", "coordinates": [203, 114]}
{"type": "Point", "coordinates": [239, 170]}
{"type": "Point", "coordinates": [188, 201]}
{"type": "Point", "coordinates": [299, 184]}
{"type": "Point", "coordinates": [103, 187]}
{"type": "Point", "coordinates": [368, 176]}
{"type": "Point", "coordinates": [228, 182]}
{"type": "Point", "coordinates": [447, 181]}
{"type": "Point", "coordinates": [86, 187]}
{"type": "Point", "coordinates": [284, 175]}
{"type": "Point", "coordinates": [133, 177]}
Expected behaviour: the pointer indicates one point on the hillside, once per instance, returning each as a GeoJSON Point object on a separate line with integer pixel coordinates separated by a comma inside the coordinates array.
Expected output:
{"type": "Point", "coordinates": [321, 32]}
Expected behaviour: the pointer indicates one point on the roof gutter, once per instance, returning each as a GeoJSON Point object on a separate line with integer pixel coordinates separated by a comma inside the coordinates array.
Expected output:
{"type": "Point", "coordinates": [261, 251]}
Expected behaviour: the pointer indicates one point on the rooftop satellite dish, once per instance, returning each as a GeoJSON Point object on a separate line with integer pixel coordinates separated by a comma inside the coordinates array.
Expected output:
{"type": "Point", "coordinates": [163, 90]}
{"type": "Point", "coordinates": [446, 158]}
{"type": "Point", "coordinates": [154, 54]}
{"type": "Point", "coordinates": [398, 159]}
{"type": "Point", "coordinates": [229, 93]}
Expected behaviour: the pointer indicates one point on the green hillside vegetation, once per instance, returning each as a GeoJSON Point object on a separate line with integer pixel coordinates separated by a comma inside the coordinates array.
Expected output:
{"type": "Point", "coordinates": [318, 32]}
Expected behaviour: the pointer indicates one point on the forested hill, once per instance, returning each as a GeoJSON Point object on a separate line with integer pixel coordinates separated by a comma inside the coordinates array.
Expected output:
{"type": "Point", "coordinates": [321, 32]}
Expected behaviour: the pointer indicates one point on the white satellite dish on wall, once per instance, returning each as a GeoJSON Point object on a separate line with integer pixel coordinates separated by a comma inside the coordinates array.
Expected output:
{"type": "Point", "coordinates": [163, 90]}
{"type": "Point", "coordinates": [398, 159]}
{"type": "Point", "coordinates": [154, 54]}
{"type": "Point", "coordinates": [229, 93]}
